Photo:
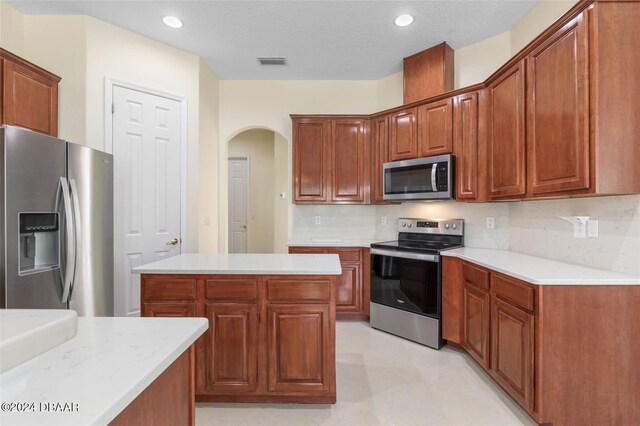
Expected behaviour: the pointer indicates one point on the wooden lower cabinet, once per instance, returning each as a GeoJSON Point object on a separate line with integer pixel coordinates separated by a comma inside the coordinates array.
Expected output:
{"type": "Point", "coordinates": [352, 287]}
{"type": "Point", "coordinates": [512, 351]}
{"type": "Point", "coordinates": [475, 323]}
{"type": "Point", "coordinates": [231, 348]}
{"type": "Point", "coordinates": [270, 338]}
{"type": "Point", "coordinates": [298, 361]}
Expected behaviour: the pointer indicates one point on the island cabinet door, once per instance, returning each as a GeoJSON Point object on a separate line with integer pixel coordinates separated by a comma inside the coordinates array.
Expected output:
{"type": "Point", "coordinates": [231, 354]}
{"type": "Point", "coordinates": [300, 347]}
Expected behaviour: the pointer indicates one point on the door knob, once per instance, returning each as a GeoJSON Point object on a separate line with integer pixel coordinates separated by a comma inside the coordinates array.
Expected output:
{"type": "Point", "coordinates": [173, 242]}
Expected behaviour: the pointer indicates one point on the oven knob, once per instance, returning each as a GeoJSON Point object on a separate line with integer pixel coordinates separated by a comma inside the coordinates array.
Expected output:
{"type": "Point", "coordinates": [409, 224]}
{"type": "Point", "coordinates": [453, 226]}
{"type": "Point", "coordinates": [404, 224]}
{"type": "Point", "coordinates": [446, 225]}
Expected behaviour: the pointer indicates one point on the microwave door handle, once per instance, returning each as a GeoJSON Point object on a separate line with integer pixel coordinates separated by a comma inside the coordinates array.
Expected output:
{"type": "Point", "coordinates": [406, 255]}
{"type": "Point", "coordinates": [434, 169]}
{"type": "Point", "coordinates": [71, 243]}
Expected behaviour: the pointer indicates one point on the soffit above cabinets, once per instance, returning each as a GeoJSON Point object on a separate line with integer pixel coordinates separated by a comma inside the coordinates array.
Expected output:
{"type": "Point", "coordinates": [322, 40]}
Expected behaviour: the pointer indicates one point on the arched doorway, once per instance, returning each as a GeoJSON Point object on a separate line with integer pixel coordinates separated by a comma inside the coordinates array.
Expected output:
{"type": "Point", "coordinates": [257, 199]}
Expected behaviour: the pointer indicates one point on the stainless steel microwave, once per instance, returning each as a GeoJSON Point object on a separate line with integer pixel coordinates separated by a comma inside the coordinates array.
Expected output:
{"type": "Point", "coordinates": [429, 178]}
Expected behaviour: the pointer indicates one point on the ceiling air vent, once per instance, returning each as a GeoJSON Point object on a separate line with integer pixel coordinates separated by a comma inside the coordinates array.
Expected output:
{"type": "Point", "coordinates": [272, 61]}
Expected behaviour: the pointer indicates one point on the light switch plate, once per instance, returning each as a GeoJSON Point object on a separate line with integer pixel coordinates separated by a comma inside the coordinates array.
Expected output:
{"type": "Point", "coordinates": [592, 229]}
{"type": "Point", "coordinates": [318, 220]}
{"type": "Point", "coordinates": [491, 222]}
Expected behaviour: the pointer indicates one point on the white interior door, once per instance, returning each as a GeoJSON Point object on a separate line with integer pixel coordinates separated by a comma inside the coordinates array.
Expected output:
{"type": "Point", "coordinates": [146, 151]}
{"type": "Point", "coordinates": [238, 204]}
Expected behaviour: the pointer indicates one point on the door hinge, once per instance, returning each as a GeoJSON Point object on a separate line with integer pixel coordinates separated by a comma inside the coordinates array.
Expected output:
{"type": "Point", "coordinates": [113, 108]}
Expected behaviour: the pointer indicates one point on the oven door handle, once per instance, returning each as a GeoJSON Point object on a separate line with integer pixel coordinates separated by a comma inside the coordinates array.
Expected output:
{"type": "Point", "coordinates": [405, 255]}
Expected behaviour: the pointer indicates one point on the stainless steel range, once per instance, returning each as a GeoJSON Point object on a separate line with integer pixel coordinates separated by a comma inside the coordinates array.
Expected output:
{"type": "Point", "coordinates": [406, 278]}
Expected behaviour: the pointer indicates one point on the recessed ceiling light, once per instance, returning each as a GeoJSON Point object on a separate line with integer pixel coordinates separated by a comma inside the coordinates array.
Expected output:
{"type": "Point", "coordinates": [403, 20]}
{"type": "Point", "coordinates": [172, 21]}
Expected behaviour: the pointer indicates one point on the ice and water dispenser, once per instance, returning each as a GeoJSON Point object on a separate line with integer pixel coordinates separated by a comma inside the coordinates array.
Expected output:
{"type": "Point", "coordinates": [39, 242]}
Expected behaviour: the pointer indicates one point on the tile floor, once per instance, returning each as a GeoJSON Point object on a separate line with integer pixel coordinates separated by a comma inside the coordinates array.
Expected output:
{"type": "Point", "coordinates": [386, 380]}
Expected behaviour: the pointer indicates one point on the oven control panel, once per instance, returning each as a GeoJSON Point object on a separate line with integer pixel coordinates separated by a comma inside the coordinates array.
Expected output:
{"type": "Point", "coordinates": [432, 226]}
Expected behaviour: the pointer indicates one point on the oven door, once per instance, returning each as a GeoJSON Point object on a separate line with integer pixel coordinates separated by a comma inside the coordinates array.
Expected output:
{"type": "Point", "coordinates": [407, 281]}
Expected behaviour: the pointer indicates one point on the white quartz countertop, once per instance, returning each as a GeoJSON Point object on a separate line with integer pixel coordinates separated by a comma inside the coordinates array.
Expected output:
{"type": "Point", "coordinates": [328, 242]}
{"type": "Point", "coordinates": [249, 264]}
{"type": "Point", "coordinates": [99, 372]}
{"type": "Point", "coordinates": [538, 270]}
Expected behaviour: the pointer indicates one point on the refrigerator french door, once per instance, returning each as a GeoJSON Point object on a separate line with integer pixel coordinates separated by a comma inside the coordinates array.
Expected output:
{"type": "Point", "coordinates": [58, 224]}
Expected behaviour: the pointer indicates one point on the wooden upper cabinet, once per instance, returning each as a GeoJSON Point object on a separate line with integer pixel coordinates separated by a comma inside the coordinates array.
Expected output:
{"type": "Point", "coordinates": [29, 95]}
{"type": "Point", "coordinates": [435, 128]}
{"type": "Point", "coordinates": [470, 177]}
{"type": "Point", "coordinates": [428, 73]}
{"type": "Point", "coordinates": [380, 155]}
{"type": "Point", "coordinates": [558, 111]}
{"type": "Point", "coordinates": [403, 138]}
{"type": "Point", "coordinates": [310, 159]}
{"type": "Point", "coordinates": [506, 134]}
{"type": "Point", "coordinates": [347, 166]}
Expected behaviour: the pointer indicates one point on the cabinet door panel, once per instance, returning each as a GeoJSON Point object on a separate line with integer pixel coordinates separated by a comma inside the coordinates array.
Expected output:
{"type": "Point", "coordinates": [558, 111]}
{"type": "Point", "coordinates": [300, 347]}
{"type": "Point", "coordinates": [380, 142]}
{"type": "Point", "coordinates": [29, 99]}
{"type": "Point", "coordinates": [349, 288]}
{"type": "Point", "coordinates": [506, 148]}
{"type": "Point", "coordinates": [310, 154]}
{"type": "Point", "coordinates": [466, 146]}
{"type": "Point", "coordinates": [231, 348]}
{"type": "Point", "coordinates": [435, 132]}
{"type": "Point", "coordinates": [475, 323]}
{"type": "Point", "coordinates": [348, 160]}
{"type": "Point", "coordinates": [403, 139]}
{"type": "Point", "coordinates": [512, 347]}
{"type": "Point", "coordinates": [173, 310]}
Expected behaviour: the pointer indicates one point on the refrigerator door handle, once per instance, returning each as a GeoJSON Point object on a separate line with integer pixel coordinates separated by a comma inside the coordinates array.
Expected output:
{"type": "Point", "coordinates": [70, 259]}
{"type": "Point", "coordinates": [77, 231]}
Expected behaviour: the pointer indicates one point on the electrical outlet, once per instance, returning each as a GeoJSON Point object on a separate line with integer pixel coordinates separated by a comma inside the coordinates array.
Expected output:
{"type": "Point", "coordinates": [491, 222]}
{"type": "Point", "coordinates": [318, 220]}
{"type": "Point", "coordinates": [592, 229]}
{"type": "Point", "coordinates": [383, 220]}
{"type": "Point", "coordinates": [283, 195]}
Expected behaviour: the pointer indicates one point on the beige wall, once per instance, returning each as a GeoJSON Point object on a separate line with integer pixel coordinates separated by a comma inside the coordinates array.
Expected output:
{"type": "Point", "coordinates": [258, 146]}
{"type": "Point", "coordinates": [473, 64]}
{"type": "Point", "coordinates": [11, 29]}
{"type": "Point", "coordinates": [281, 185]}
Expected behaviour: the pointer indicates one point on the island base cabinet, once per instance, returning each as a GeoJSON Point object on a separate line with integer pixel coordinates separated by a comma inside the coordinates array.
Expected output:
{"type": "Point", "coordinates": [298, 357]}
{"type": "Point", "coordinates": [168, 400]}
{"type": "Point", "coordinates": [270, 338]}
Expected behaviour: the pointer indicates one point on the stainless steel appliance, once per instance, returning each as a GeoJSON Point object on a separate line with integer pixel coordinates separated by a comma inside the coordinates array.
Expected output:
{"type": "Point", "coordinates": [429, 178]}
{"type": "Point", "coordinates": [406, 278]}
{"type": "Point", "coordinates": [56, 224]}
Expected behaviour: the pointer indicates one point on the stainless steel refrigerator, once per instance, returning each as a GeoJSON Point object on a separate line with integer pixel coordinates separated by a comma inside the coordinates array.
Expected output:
{"type": "Point", "coordinates": [56, 224]}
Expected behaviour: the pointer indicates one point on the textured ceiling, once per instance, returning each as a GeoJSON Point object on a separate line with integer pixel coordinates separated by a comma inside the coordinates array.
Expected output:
{"type": "Point", "coordinates": [323, 40]}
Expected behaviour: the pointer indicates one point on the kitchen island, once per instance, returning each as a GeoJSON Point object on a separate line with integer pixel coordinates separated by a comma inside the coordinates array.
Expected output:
{"type": "Point", "coordinates": [271, 320]}
{"type": "Point", "coordinates": [118, 371]}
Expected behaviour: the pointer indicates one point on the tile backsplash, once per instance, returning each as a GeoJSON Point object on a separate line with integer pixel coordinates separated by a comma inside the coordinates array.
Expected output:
{"type": "Point", "coordinates": [531, 227]}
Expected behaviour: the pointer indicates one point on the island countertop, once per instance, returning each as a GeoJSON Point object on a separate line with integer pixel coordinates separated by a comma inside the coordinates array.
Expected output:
{"type": "Point", "coordinates": [245, 264]}
{"type": "Point", "coordinates": [99, 372]}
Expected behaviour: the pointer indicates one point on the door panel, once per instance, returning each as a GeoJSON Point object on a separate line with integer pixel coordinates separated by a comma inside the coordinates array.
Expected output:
{"type": "Point", "coordinates": [238, 204]}
{"type": "Point", "coordinates": [147, 200]}
{"type": "Point", "coordinates": [558, 111]}
{"type": "Point", "coordinates": [512, 347]}
{"type": "Point", "coordinates": [348, 160]}
{"type": "Point", "coordinates": [90, 174]}
{"type": "Point", "coordinates": [435, 128]}
{"type": "Point", "coordinates": [506, 148]}
{"type": "Point", "coordinates": [466, 146]}
{"type": "Point", "coordinates": [475, 323]}
{"type": "Point", "coordinates": [403, 139]}
{"type": "Point", "coordinates": [35, 164]}
{"type": "Point", "coordinates": [380, 146]}
{"type": "Point", "coordinates": [299, 348]}
{"type": "Point", "coordinates": [310, 155]}
{"type": "Point", "coordinates": [231, 348]}
{"type": "Point", "coordinates": [348, 288]}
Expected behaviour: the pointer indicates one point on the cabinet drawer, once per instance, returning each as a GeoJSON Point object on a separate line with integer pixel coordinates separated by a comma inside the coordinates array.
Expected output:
{"type": "Point", "coordinates": [170, 289]}
{"type": "Point", "coordinates": [168, 310]}
{"type": "Point", "coordinates": [290, 290]}
{"type": "Point", "coordinates": [232, 289]}
{"type": "Point", "coordinates": [475, 275]}
{"type": "Point", "coordinates": [512, 290]}
{"type": "Point", "coordinates": [346, 254]}
{"type": "Point", "coordinates": [307, 250]}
